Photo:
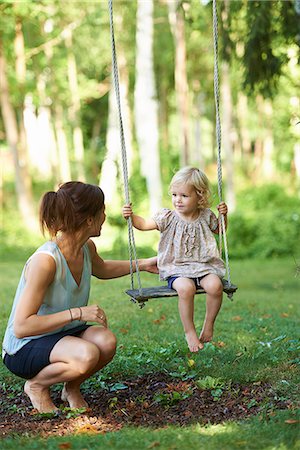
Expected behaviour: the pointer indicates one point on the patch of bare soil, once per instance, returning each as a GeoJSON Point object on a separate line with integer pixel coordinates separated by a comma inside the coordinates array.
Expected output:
{"type": "Point", "coordinates": [153, 400]}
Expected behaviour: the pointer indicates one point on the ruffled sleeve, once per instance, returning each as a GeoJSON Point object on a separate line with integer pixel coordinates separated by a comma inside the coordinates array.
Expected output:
{"type": "Point", "coordinates": [212, 220]}
{"type": "Point", "coordinates": [162, 218]}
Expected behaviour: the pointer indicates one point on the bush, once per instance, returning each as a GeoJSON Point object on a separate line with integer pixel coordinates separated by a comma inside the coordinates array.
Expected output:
{"type": "Point", "coordinates": [266, 224]}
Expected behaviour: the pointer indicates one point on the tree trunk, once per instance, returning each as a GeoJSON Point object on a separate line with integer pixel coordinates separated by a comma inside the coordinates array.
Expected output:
{"type": "Point", "coordinates": [75, 107]}
{"type": "Point", "coordinates": [145, 105]}
{"type": "Point", "coordinates": [227, 136]}
{"type": "Point", "coordinates": [63, 153]}
{"type": "Point", "coordinates": [111, 171]}
{"type": "Point", "coordinates": [176, 19]}
{"type": "Point", "coordinates": [22, 181]}
{"type": "Point", "coordinates": [198, 159]}
{"type": "Point", "coordinates": [264, 164]}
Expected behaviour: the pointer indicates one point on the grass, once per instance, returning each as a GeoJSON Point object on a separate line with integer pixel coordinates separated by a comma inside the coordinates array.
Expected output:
{"type": "Point", "coordinates": [256, 339]}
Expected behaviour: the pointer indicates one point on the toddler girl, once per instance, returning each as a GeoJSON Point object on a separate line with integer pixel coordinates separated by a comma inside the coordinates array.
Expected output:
{"type": "Point", "coordinates": [188, 256]}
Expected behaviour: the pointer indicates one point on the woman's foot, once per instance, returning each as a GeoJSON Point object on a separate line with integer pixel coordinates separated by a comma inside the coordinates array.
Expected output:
{"type": "Point", "coordinates": [207, 332]}
{"type": "Point", "coordinates": [193, 341]}
{"type": "Point", "coordinates": [39, 397]}
{"type": "Point", "coordinates": [73, 397]}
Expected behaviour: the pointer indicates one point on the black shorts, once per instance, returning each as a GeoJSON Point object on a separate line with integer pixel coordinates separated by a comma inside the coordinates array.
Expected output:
{"type": "Point", "coordinates": [34, 356]}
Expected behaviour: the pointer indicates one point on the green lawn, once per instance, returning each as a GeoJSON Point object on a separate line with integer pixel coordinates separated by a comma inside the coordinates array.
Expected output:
{"type": "Point", "coordinates": [256, 339]}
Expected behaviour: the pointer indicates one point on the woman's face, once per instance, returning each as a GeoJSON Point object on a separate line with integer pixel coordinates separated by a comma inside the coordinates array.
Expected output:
{"type": "Point", "coordinates": [97, 222]}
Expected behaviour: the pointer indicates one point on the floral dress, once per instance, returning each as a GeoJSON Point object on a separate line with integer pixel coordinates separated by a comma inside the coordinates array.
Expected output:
{"type": "Point", "coordinates": [188, 249]}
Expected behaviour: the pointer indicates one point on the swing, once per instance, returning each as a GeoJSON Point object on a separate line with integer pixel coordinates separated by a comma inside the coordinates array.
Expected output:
{"type": "Point", "coordinates": [141, 295]}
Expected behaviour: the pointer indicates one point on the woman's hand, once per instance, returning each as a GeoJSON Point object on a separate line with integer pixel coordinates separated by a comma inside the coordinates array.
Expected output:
{"type": "Point", "coordinates": [222, 208]}
{"type": "Point", "coordinates": [127, 211]}
{"type": "Point", "coordinates": [148, 264]}
{"type": "Point", "coordinates": [92, 313]}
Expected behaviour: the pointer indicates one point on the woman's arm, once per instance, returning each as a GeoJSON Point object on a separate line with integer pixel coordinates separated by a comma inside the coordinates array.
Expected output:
{"type": "Point", "coordinates": [40, 274]}
{"type": "Point", "coordinates": [108, 269]}
{"type": "Point", "coordinates": [137, 221]}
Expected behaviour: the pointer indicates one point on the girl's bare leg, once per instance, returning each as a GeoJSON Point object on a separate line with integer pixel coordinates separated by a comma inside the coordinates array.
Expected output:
{"type": "Point", "coordinates": [71, 359]}
{"type": "Point", "coordinates": [186, 291]}
{"type": "Point", "coordinates": [214, 293]}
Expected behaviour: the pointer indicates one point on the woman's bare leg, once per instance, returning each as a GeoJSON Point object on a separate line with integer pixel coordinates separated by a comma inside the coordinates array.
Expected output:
{"type": "Point", "coordinates": [214, 292]}
{"type": "Point", "coordinates": [106, 342]}
{"type": "Point", "coordinates": [186, 291]}
{"type": "Point", "coordinates": [72, 358]}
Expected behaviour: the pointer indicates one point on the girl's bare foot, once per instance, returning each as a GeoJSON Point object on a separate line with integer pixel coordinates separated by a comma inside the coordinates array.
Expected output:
{"type": "Point", "coordinates": [193, 341]}
{"type": "Point", "coordinates": [73, 397]}
{"type": "Point", "coordinates": [39, 397]}
{"type": "Point", "coordinates": [207, 332]}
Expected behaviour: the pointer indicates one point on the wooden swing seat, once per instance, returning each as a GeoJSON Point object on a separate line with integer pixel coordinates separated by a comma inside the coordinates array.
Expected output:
{"type": "Point", "coordinates": [164, 291]}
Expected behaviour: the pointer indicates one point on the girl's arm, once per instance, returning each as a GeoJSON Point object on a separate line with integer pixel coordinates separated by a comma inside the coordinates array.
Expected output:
{"type": "Point", "coordinates": [108, 269]}
{"type": "Point", "coordinates": [137, 221]}
{"type": "Point", "coordinates": [40, 274]}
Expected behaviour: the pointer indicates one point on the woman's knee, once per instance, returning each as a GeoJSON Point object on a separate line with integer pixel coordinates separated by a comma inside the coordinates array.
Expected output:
{"type": "Point", "coordinates": [103, 338]}
{"type": "Point", "coordinates": [87, 357]}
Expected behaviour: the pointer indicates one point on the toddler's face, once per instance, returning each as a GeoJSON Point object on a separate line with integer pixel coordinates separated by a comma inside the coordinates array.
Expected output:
{"type": "Point", "coordinates": [185, 199]}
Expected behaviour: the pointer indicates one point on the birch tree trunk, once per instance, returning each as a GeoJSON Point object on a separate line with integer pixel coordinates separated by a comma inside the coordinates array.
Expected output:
{"type": "Point", "coordinates": [111, 171]}
{"type": "Point", "coordinates": [75, 106]}
{"type": "Point", "coordinates": [176, 19]}
{"type": "Point", "coordinates": [197, 155]}
{"type": "Point", "coordinates": [62, 145]}
{"type": "Point", "coordinates": [145, 105]}
{"type": "Point", "coordinates": [22, 181]}
{"type": "Point", "coordinates": [227, 136]}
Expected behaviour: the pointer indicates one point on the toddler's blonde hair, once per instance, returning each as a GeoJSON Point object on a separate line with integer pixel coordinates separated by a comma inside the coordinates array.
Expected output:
{"type": "Point", "coordinates": [198, 180]}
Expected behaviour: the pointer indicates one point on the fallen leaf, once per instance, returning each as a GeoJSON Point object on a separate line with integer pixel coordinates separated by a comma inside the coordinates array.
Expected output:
{"type": "Point", "coordinates": [154, 444]}
{"type": "Point", "coordinates": [266, 316]}
{"type": "Point", "coordinates": [65, 445]}
{"type": "Point", "coordinates": [87, 428]}
{"type": "Point", "coordinates": [123, 330]}
{"type": "Point", "coordinates": [191, 362]}
{"type": "Point", "coordinates": [156, 321]}
{"type": "Point", "coordinates": [285, 315]}
{"type": "Point", "coordinates": [220, 344]}
{"type": "Point", "coordinates": [236, 318]}
{"type": "Point", "coordinates": [291, 421]}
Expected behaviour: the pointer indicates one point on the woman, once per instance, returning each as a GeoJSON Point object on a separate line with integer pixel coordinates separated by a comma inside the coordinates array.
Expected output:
{"type": "Point", "coordinates": [47, 340]}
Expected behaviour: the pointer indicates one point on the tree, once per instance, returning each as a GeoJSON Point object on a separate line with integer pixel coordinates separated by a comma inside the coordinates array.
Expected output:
{"type": "Point", "coordinates": [145, 104]}
{"type": "Point", "coordinates": [22, 180]}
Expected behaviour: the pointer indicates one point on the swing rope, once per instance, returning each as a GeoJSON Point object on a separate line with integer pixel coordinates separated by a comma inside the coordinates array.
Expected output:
{"type": "Point", "coordinates": [131, 240]}
{"type": "Point", "coordinates": [222, 228]}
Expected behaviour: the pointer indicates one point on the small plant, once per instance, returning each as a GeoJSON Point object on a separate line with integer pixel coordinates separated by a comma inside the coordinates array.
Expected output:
{"type": "Point", "coordinates": [215, 385]}
{"type": "Point", "coordinates": [171, 398]}
{"type": "Point", "coordinates": [209, 382]}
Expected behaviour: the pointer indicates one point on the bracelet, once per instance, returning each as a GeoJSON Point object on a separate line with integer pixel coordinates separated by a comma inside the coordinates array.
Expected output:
{"type": "Point", "coordinates": [80, 313]}
{"type": "Point", "coordinates": [71, 315]}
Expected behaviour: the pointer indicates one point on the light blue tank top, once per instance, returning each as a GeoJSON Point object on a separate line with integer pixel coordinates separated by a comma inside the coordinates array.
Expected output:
{"type": "Point", "coordinates": [62, 294]}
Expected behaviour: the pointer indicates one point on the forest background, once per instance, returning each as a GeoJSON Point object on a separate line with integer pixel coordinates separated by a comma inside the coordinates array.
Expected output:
{"type": "Point", "coordinates": [59, 119]}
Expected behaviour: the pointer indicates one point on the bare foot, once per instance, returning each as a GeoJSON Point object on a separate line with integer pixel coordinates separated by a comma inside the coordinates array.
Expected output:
{"type": "Point", "coordinates": [39, 397]}
{"type": "Point", "coordinates": [207, 333]}
{"type": "Point", "coordinates": [193, 341]}
{"type": "Point", "coordinates": [73, 397]}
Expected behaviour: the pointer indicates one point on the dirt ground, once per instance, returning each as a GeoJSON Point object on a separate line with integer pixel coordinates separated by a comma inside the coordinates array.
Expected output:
{"type": "Point", "coordinates": [155, 400]}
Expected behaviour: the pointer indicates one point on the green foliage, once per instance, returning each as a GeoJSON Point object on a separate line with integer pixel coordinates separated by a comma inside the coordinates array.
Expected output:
{"type": "Point", "coordinates": [266, 223]}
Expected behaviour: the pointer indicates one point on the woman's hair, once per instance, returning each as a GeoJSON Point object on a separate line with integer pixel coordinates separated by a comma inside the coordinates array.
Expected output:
{"type": "Point", "coordinates": [68, 208]}
{"type": "Point", "coordinates": [198, 180]}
